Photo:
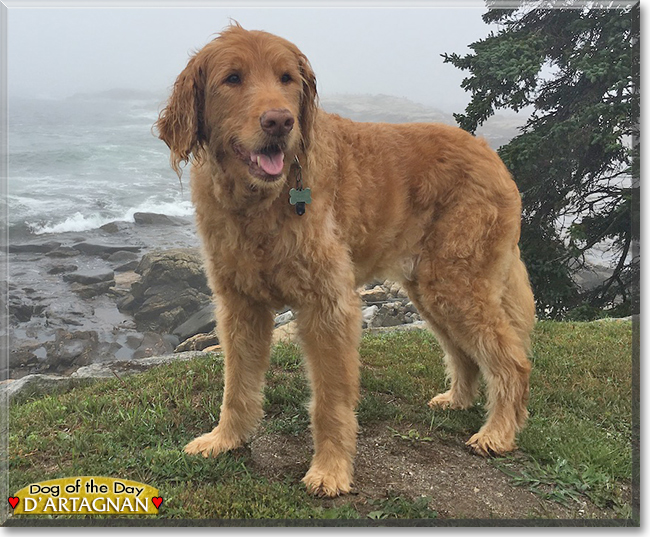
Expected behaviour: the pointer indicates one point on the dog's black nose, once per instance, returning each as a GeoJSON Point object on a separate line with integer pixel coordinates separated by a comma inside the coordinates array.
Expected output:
{"type": "Point", "coordinates": [277, 122]}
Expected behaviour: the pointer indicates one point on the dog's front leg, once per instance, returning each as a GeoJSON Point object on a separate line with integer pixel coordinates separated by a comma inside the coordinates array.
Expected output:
{"type": "Point", "coordinates": [245, 328]}
{"type": "Point", "coordinates": [330, 330]}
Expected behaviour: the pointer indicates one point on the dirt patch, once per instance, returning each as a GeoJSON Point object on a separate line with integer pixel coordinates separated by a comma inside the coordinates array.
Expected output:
{"type": "Point", "coordinates": [460, 484]}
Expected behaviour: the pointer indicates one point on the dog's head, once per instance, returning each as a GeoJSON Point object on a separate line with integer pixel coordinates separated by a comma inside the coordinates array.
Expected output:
{"type": "Point", "coordinates": [248, 99]}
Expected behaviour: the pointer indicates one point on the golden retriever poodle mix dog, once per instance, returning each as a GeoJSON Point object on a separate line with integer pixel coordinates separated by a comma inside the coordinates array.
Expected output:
{"type": "Point", "coordinates": [298, 207]}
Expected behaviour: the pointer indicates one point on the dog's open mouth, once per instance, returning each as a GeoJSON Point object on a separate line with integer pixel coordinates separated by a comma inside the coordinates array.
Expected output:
{"type": "Point", "coordinates": [266, 163]}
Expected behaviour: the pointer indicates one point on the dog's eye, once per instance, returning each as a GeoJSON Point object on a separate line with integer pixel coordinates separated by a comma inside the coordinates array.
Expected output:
{"type": "Point", "coordinates": [233, 78]}
{"type": "Point", "coordinates": [286, 78]}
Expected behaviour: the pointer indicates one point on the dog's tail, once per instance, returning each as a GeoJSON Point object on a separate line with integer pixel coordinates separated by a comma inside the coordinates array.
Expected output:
{"type": "Point", "coordinates": [518, 301]}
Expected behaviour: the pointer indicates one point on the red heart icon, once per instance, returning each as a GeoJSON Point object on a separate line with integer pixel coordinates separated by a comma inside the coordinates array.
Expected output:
{"type": "Point", "coordinates": [13, 501]}
{"type": "Point", "coordinates": [157, 500]}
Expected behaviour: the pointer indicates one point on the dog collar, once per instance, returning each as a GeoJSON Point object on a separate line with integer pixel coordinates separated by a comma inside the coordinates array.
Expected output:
{"type": "Point", "coordinates": [299, 196]}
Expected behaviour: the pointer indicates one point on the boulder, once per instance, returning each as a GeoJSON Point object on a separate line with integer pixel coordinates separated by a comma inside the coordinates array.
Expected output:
{"type": "Point", "coordinates": [391, 314]}
{"type": "Point", "coordinates": [153, 344]}
{"type": "Point", "coordinates": [368, 315]}
{"type": "Point", "coordinates": [154, 219]}
{"type": "Point", "coordinates": [71, 349]}
{"type": "Point", "coordinates": [172, 289]}
{"type": "Point", "coordinates": [92, 290]}
{"type": "Point", "coordinates": [201, 322]}
{"type": "Point", "coordinates": [199, 342]}
{"type": "Point", "coordinates": [90, 277]}
{"type": "Point", "coordinates": [172, 266]}
{"type": "Point", "coordinates": [376, 294]}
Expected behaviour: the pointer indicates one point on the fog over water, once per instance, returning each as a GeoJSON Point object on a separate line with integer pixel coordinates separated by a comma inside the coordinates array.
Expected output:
{"type": "Point", "coordinates": [85, 86]}
{"type": "Point", "coordinates": [57, 52]}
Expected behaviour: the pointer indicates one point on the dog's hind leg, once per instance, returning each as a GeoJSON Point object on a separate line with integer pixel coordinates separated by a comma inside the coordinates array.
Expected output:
{"type": "Point", "coordinates": [462, 370]}
{"type": "Point", "coordinates": [330, 330]}
{"type": "Point", "coordinates": [463, 374]}
{"type": "Point", "coordinates": [467, 283]}
{"type": "Point", "coordinates": [479, 326]}
{"type": "Point", "coordinates": [245, 330]}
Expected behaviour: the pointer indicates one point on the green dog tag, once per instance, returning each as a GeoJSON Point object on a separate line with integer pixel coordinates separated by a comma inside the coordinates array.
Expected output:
{"type": "Point", "coordinates": [299, 196]}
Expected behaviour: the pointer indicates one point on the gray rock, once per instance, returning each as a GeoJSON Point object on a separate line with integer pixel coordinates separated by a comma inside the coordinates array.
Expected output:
{"type": "Point", "coordinates": [63, 251]}
{"type": "Point", "coordinates": [154, 219]}
{"type": "Point", "coordinates": [92, 290]}
{"type": "Point", "coordinates": [68, 310]}
{"type": "Point", "coordinates": [71, 349]}
{"type": "Point", "coordinates": [35, 384]}
{"type": "Point", "coordinates": [368, 315]}
{"type": "Point", "coordinates": [34, 247]}
{"type": "Point", "coordinates": [153, 344]}
{"type": "Point", "coordinates": [87, 277]}
{"type": "Point", "coordinates": [98, 370]}
{"type": "Point", "coordinates": [39, 384]}
{"type": "Point", "coordinates": [59, 269]}
{"type": "Point", "coordinates": [130, 367]}
{"type": "Point", "coordinates": [176, 302]}
{"type": "Point", "coordinates": [172, 288]}
{"type": "Point", "coordinates": [127, 303]}
{"type": "Point", "coordinates": [415, 325]}
{"type": "Point", "coordinates": [284, 318]}
{"type": "Point", "coordinates": [122, 256]}
{"type": "Point", "coordinates": [126, 267]}
{"type": "Point", "coordinates": [26, 355]}
{"type": "Point", "coordinates": [22, 312]}
{"type": "Point", "coordinates": [201, 322]}
{"type": "Point", "coordinates": [172, 266]}
{"type": "Point", "coordinates": [115, 227]}
{"type": "Point", "coordinates": [390, 314]}
{"type": "Point", "coordinates": [89, 248]}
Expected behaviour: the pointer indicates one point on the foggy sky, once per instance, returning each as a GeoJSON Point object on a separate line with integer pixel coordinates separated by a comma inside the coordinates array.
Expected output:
{"type": "Point", "coordinates": [57, 52]}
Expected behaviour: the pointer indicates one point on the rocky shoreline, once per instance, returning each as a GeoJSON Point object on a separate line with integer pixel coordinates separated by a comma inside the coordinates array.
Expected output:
{"type": "Point", "coordinates": [127, 292]}
{"type": "Point", "coordinates": [113, 300]}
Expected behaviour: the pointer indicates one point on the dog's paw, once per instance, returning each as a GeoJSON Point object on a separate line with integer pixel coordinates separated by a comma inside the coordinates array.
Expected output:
{"type": "Point", "coordinates": [327, 484]}
{"type": "Point", "coordinates": [448, 400]}
{"type": "Point", "coordinates": [486, 444]}
{"type": "Point", "coordinates": [211, 445]}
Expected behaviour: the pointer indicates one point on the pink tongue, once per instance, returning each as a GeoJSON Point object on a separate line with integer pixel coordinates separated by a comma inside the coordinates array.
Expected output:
{"type": "Point", "coordinates": [271, 164]}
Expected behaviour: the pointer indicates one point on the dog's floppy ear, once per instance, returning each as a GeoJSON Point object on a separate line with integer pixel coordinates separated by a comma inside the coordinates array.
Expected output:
{"type": "Point", "coordinates": [308, 103]}
{"type": "Point", "coordinates": [180, 124]}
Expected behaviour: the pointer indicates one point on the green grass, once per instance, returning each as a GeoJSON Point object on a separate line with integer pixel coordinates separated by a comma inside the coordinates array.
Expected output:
{"type": "Point", "coordinates": [577, 442]}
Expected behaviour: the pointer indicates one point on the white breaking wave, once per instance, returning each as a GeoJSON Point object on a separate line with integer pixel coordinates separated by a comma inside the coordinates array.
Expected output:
{"type": "Point", "coordinates": [84, 222]}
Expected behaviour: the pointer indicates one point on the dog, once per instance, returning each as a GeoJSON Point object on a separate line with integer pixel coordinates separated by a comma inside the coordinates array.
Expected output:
{"type": "Point", "coordinates": [299, 207]}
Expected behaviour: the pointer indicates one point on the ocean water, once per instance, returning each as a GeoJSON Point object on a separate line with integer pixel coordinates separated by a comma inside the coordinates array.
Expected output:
{"type": "Point", "coordinates": [76, 164]}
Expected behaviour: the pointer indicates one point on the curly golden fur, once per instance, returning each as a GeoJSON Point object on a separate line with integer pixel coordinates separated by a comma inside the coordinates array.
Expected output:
{"type": "Point", "coordinates": [427, 205]}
